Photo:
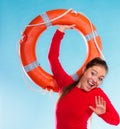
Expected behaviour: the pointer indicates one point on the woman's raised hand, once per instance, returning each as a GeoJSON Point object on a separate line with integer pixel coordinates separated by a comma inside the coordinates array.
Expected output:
{"type": "Point", "coordinates": [62, 28]}
{"type": "Point", "coordinates": [100, 106]}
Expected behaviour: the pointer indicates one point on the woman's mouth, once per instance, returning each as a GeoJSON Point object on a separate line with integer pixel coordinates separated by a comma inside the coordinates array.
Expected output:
{"type": "Point", "coordinates": [91, 83]}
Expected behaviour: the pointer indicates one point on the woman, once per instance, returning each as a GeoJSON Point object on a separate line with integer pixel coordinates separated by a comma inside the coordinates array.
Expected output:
{"type": "Point", "coordinates": [78, 100]}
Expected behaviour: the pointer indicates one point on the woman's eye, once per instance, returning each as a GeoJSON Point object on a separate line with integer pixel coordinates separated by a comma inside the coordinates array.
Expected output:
{"type": "Point", "coordinates": [93, 73]}
{"type": "Point", "coordinates": [100, 79]}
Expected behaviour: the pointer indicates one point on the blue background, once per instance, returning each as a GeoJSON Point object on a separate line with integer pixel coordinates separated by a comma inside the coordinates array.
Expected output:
{"type": "Point", "coordinates": [23, 105]}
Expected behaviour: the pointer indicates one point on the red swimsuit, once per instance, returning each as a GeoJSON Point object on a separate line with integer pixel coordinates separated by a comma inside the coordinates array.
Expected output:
{"type": "Point", "coordinates": [72, 111]}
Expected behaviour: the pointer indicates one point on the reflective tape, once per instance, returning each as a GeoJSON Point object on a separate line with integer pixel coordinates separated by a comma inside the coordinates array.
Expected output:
{"type": "Point", "coordinates": [91, 35]}
{"type": "Point", "coordinates": [46, 19]}
{"type": "Point", "coordinates": [75, 77]}
{"type": "Point", "coordinates": [31, 66]}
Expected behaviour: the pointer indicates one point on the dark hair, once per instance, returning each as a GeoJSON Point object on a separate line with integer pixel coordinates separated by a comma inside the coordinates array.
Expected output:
{"type": "Point", "coordinates": [97, 61]}
{"type": "Point", "coordinates": [94, 62]}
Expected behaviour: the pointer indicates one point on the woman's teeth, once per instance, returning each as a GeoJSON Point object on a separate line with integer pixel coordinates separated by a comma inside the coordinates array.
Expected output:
{"type": "Point", "coordinates": [91, 83]}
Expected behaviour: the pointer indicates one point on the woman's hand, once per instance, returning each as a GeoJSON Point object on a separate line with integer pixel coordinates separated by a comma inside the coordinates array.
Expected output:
{"type": "Point", "coordinates": [100, 106]}
{"type": "Point", "coordinates": [65, 27]}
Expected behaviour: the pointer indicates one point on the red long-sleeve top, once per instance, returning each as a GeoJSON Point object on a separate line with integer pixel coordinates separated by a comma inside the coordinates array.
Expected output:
{"type": "Point", "coordinates": [72, 111]}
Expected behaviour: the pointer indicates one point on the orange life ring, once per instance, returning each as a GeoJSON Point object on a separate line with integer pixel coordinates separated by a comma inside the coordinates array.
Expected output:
{"type": "Point", "coordinates": [40, 24]}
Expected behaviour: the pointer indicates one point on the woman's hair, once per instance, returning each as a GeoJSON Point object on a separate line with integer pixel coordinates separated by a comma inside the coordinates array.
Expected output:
{"type": "Point", "coordinates": [94, 62]}
{"type": "Point", "coordinates": [97, 62]}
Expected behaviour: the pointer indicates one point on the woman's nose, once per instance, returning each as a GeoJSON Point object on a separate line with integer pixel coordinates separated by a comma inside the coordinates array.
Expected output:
{"type": "Point", "coordinates": [95, 79]}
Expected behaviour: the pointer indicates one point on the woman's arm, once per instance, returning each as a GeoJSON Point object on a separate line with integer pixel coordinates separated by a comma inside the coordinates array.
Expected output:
{"type": "Point", "coordinates": [111, 116]}
{"type": "Point", "coordinates": [61, 77]}
{"type": "Point", "coordinates": [104, 109]}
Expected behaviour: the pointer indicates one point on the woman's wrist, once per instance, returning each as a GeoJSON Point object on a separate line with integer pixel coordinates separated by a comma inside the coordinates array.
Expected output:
{"type": "Point", "coordinates": [61, 28]}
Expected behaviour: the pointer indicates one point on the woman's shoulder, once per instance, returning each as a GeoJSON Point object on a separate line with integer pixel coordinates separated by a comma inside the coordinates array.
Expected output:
{"type": "Point", "coordinates": [97, 92]}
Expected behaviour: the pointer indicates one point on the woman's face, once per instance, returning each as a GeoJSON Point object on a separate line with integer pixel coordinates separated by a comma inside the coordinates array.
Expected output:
{"type": "Point", "coordinates": [92, 78]}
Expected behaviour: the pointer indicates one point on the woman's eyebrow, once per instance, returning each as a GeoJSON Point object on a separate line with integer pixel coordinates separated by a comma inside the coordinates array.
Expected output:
{"type": "Point", "coordinates": [97, 72]}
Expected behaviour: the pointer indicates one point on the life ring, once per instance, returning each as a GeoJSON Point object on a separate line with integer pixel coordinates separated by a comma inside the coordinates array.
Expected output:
{"type": "Point", "coordinates": [40, 24]}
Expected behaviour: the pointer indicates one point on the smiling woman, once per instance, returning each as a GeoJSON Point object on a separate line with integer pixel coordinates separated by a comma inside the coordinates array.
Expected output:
{"type": "Point", "coordinates": [95, 76]}
{"type": "Point", "coordinates": [80, 98]}
{"type": "Point", "coordinates": [21, 108]}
